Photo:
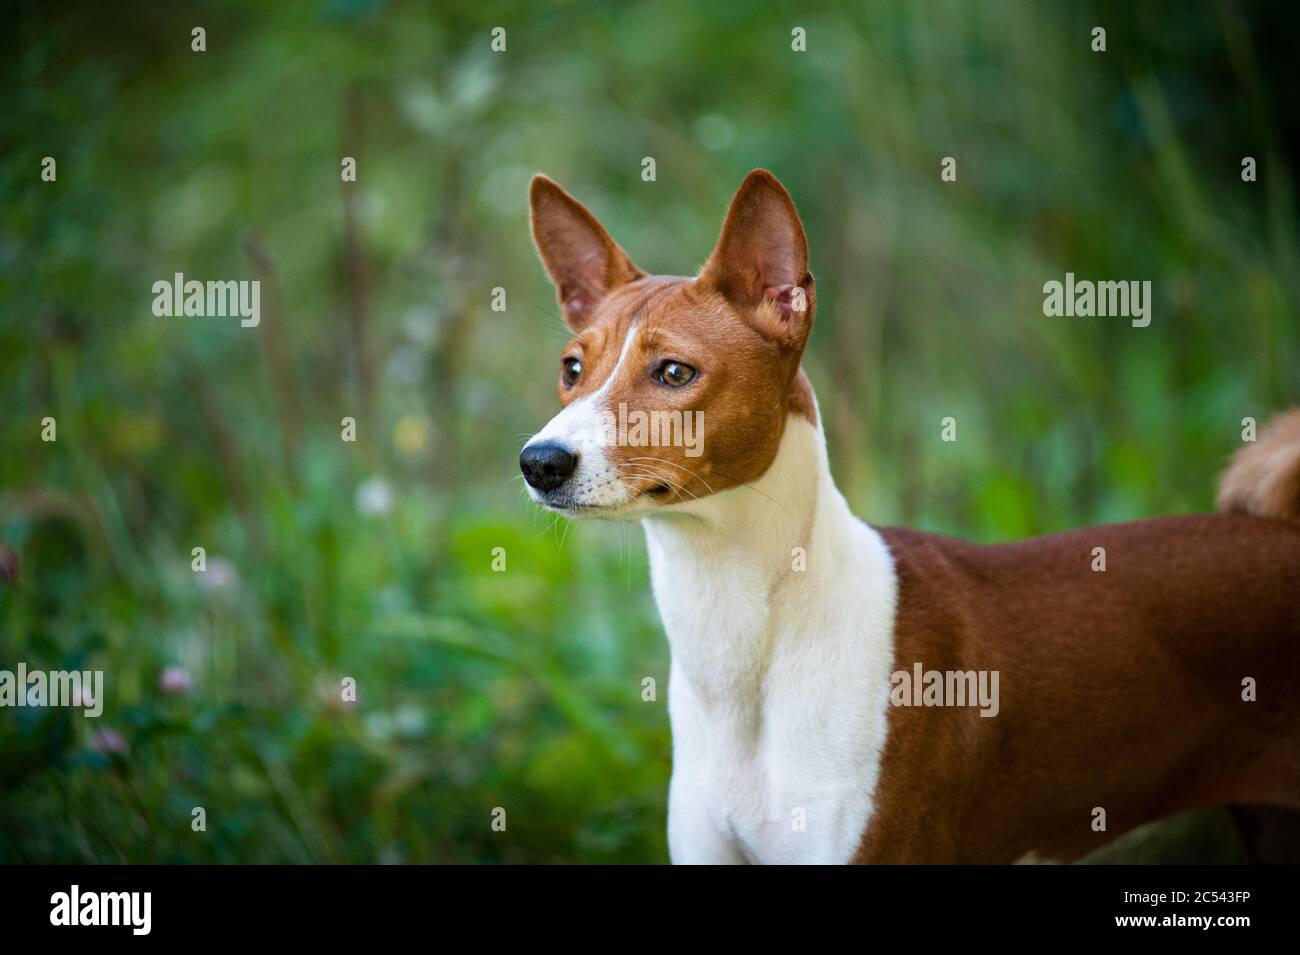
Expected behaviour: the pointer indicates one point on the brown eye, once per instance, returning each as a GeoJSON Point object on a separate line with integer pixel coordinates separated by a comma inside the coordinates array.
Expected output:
{"type": "Point", "coordinates": [674, 374]}
{"type": "Point", "coordinates": [571, 372]}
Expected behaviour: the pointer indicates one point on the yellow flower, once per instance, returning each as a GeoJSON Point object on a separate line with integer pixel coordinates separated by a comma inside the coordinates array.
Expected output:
{"type": "Point", "coordinates": [411, 434]}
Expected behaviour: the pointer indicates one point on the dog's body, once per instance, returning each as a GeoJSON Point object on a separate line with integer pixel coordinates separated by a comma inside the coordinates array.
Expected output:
{"type": "Point", "coordinates": [1126, 693]}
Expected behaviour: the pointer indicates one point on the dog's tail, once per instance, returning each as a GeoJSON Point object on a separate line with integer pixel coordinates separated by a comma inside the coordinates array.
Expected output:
{"type": "Point", "coordinates": [1264, 477]}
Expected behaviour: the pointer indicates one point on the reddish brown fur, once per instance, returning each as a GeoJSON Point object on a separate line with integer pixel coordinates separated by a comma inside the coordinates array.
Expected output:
{"type": "Point", "coordinates": [745, 350]}
{"type": "Point", "coordinates": [1119, 689]}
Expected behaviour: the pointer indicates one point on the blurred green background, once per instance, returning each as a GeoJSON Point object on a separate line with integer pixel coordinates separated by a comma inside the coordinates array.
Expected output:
{"type": "Point", "coordinates": [522, 689]}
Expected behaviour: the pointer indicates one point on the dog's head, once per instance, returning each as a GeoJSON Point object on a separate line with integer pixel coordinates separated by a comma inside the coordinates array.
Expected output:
{"type": "Point", "coordinates": [673, 388]}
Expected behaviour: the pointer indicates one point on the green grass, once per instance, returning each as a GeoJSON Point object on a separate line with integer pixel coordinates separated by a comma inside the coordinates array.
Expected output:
{"type": "Point", "coordinates": [522, 689]}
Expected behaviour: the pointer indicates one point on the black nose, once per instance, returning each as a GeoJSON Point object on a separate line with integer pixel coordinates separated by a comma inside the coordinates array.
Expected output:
{"type": "Point", "coordinates": [547, 466]}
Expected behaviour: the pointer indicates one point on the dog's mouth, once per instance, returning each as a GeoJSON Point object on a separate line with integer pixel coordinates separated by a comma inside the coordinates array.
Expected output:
{"type": "Point", "coordinates": [656, 493]}
{"type": "Point", "coordinates": [577, 507]}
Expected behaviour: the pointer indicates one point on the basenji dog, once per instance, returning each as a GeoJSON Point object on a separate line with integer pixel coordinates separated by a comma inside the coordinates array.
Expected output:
{"type": "Point", "coordinates": [1166, 679]}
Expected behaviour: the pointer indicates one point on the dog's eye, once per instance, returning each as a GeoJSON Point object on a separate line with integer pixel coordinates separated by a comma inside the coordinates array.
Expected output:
{"type": "Point", "coordinates": [571, 372]}
{"type": "Point", "coordinates": [674, 374]}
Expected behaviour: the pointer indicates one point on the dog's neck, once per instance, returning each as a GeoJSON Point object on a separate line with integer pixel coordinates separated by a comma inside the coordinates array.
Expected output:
{"type": "Point", "coordinates": [739, 573]}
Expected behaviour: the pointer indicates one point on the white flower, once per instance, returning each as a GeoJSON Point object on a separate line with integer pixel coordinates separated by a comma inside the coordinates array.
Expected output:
{"type": "Point", "coordinates": [220, 575]}
{"type": "Point", "coordinates": [374, 496]}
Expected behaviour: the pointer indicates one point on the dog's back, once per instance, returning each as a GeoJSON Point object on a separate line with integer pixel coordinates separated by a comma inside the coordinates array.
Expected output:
{"type": "Point", "coordinates": [1145, 668]}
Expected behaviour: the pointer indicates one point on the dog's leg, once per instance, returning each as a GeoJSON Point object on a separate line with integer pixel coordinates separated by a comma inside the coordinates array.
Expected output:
{"type": "Point", "coordinates": [694, 837]}
{"type": "Point", "coordinates": [697, 832]}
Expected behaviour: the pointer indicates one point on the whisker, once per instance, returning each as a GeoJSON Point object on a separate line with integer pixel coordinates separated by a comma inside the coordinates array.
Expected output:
{"type": "Point", "coordinates": [674, 464]}
{"type": "Point", "coordinates": [751, 487]}
{"type": "Point", "coordinates": [683, 492]}
{"type": "Point", "coordinates": [568, 526]}
{"type": "Point", "coordinates": [728, 477]}
{"type": "Point", "coordinates": [646, 471]}
{"type": "Point", "coordinates": [560, 324]}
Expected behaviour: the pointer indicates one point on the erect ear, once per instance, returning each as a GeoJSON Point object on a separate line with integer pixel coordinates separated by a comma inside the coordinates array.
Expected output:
{"type": "Point", "coordinates": [760, 263]}
{"type": "Point", "coordinates": [582, 260]}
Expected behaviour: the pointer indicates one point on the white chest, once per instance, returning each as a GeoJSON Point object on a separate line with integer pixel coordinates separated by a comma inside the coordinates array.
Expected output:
{"type": "Point", "coordinates": [787, 779]}
{"type": "Point", "coordinates": [780, 680]}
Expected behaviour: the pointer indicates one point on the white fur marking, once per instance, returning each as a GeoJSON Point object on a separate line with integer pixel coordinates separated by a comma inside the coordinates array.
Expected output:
{"type": "Point", "coordinates": [581, 427]}
{"type": "Point", "coordinates": [780, 679]}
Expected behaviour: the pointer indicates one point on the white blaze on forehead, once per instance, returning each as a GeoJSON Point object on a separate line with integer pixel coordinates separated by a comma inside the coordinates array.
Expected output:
{"type": "Point", "coordinates": [627, 346]}
{"type": "Point", "coordinates": [582, 428]}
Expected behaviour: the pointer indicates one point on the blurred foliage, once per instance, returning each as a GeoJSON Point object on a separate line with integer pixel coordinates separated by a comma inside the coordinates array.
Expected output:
{"type": "Point", "coordinates": [372, 560]}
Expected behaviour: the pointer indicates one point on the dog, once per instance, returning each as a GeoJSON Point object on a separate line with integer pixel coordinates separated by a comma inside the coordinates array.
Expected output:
{"type": "Point", "coordinates": [1164, 680]}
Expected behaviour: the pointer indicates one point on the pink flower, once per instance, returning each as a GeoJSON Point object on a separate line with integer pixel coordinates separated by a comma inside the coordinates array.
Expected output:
{"type": "Point", "coordinates": [108, 741]}
{"type": "Point", "coordinates": [8, 564]}
{"type": "Point", "coordinates": [175, 680]}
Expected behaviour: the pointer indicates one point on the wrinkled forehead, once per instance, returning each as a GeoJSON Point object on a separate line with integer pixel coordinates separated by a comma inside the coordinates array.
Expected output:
{"type": "Point", "coordinates": [668, 309]}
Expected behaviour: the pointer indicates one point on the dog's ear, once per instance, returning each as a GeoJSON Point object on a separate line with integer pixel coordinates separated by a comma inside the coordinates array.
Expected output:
{"type": "Point", "coordinates": [760, 263]}
{"type": "Point", "coordinates": [583, 261]}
